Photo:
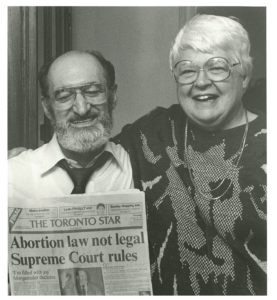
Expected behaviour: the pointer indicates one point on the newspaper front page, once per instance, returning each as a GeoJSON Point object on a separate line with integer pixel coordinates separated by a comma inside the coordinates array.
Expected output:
{"type": "Point", "coordinates": [80, 245]}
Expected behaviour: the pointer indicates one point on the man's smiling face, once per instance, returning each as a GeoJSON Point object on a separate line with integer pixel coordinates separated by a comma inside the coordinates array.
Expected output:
{"type": "Point", "coordinates": [82, 123]}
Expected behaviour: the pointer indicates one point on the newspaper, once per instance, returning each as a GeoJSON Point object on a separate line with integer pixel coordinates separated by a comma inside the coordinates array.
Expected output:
{"type": "Point", "coordinates": [80, 245]}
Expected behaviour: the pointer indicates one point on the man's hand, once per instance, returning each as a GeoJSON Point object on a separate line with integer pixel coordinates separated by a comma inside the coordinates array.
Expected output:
{"type": "Point", "coordinates": [15, 151]}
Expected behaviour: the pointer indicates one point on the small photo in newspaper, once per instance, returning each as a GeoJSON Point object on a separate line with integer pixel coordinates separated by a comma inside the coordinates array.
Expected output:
{"type": "Point", "coordinates": [81, 281]}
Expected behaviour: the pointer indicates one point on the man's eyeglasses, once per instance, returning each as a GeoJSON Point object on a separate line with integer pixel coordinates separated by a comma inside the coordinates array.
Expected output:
{"type": "Point", "coordinates": [215, 68]}
{"type": "Point", "coordinates": [95, 93]}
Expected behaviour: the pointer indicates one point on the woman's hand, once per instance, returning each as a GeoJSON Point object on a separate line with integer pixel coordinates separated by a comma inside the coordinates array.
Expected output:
{"type": "Point", "coordinates": [15, 151]}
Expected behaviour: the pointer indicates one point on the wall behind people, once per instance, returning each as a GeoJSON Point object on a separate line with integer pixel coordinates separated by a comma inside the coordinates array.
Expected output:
{"type": "Point", "coordinates": [254, 21]}
{"type": "Point", "coordinates": [137, 41]}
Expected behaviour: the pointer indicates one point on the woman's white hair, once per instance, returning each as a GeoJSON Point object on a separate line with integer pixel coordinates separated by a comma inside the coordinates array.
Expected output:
{"type": "Point", "coordinates": [207, 33]}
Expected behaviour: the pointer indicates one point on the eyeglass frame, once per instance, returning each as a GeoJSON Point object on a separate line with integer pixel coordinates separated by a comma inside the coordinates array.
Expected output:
{"type": "Point", "coordinates": [203, 69]}
{"type": "Point", "coordinates": [74, 90]}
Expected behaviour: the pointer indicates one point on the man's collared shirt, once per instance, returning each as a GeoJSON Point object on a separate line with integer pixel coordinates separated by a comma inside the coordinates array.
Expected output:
{"type": "Point", "coordinates": [34, 173]}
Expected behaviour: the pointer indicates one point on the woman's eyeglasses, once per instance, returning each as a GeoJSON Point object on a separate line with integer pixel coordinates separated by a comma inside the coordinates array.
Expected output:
{"type": "Point", "coordinates": [216, 69]}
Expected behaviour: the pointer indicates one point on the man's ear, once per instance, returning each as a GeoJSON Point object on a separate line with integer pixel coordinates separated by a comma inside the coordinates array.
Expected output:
{"type": "Point", "coordinates": [113, 96]}
{"type": "Point", "coordinates": [245, 82]}
{"type": "Point", "coordinates": [46, 107]}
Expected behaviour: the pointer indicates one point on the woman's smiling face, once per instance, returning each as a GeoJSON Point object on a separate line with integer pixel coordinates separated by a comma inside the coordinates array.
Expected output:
{"type": "Point", "coordinates": [213, 105]}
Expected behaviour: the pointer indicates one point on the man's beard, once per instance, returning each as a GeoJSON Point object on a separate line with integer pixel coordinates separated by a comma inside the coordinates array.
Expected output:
{"type": "Point", "coordinates": [86, 139]}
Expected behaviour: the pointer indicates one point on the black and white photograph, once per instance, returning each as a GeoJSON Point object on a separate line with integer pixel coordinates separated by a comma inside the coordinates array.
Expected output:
{"type": "Point", "coordinates": [168, 100]}
{"type": "Point", "coordinates": [84, 281]}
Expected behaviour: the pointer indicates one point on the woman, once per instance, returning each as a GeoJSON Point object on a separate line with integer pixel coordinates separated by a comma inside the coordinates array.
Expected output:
{"type": "Point", "coordinates": [202, 166]}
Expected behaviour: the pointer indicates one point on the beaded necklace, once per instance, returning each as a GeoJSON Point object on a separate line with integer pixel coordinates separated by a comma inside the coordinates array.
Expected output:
{"type": "Point", "coordinates": [206, 194]}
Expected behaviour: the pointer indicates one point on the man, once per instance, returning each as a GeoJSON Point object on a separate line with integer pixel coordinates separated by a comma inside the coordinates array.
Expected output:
{"type": "Point", "coordinates": [78, 96]}
{"type": "Point", "coordinates": [205, 187]}
{"type": "Point", "coordinates": [68, 286]}
{"type": "Point", "coordinates": [85, 286]}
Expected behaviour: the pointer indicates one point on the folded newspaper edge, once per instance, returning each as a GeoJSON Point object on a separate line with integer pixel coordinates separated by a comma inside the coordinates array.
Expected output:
{"type": "Point", "coordinates": [13, 202]}
{"type": "Point", "coordinates": [89, 244]}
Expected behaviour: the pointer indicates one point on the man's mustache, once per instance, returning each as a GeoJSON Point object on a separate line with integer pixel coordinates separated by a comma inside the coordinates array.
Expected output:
{"type": "Point", "coordinates": [89, 116]}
